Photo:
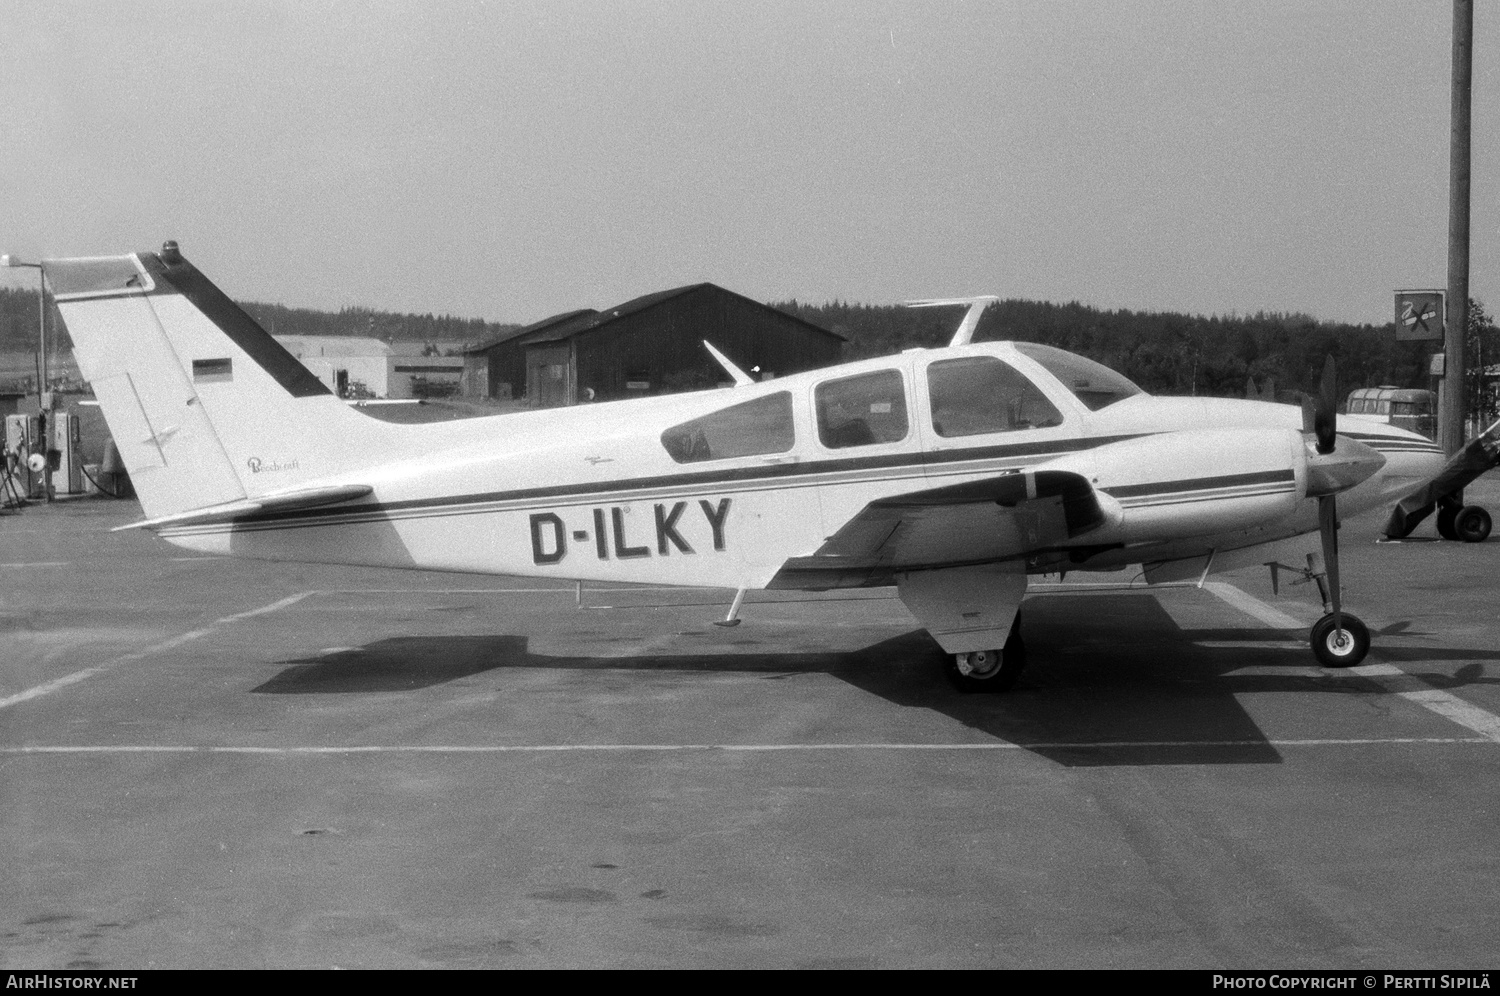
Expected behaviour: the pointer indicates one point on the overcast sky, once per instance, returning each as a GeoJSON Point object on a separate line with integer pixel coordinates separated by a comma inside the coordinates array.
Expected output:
{"type": "Point", "coordinates": [513, 160]}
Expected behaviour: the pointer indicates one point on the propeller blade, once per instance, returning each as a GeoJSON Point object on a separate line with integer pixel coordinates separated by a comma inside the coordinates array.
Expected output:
{"type": "Point", "coordinates": [1325, 422]}
{"type": "Point", "coordinates": [1328, 525]}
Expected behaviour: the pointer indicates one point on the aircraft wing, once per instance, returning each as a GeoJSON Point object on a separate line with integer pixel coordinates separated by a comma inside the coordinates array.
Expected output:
{"type": "Point", "coordinates": [979, 522]}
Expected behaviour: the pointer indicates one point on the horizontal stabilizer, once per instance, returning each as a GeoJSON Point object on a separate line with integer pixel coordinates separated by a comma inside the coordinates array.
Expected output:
{"type": "Point", "coordinates": [286, 501]}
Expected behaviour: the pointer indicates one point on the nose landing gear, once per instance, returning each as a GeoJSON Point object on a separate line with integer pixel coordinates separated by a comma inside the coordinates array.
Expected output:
{"type": "Point", "coordinates": [1341, 643]}
{"type": "Point", "coordinates": [1339, 639]}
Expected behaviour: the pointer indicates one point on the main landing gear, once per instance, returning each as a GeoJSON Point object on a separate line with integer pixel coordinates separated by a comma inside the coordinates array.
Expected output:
{"type": "Point", "coordinates": [1445, 494]}
{"type": "Point", "coordinates": [990, 670]}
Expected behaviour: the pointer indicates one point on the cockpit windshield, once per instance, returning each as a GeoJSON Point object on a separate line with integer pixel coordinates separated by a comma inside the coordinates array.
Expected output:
{"type": "Point", "coordinates": [1095, 384]}
{"type": "Point", "coordinates": [971, 395]}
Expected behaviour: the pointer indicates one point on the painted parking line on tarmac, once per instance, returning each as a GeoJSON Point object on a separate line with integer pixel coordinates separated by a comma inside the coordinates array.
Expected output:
{"type": "Point", "coordinates": [1389, 678]}
{"type": "Point", "coordinates": [176, 641]}
{"type": "Point", "coordinates": [998, 745]}
{"type": "Point", "coordinates": [1446, 704]}
{"type": "Point", "coordinates": [1254, 607]}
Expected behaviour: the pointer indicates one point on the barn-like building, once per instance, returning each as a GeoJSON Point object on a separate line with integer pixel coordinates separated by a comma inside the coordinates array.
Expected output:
{"type": "Point", "coordinates": [651, 345]}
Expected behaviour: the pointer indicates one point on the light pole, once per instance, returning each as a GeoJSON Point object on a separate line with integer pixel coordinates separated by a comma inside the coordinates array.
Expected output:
{"type": "Point", "coordinates": [1456, 324]}
{"type": "Point", "coordinates": [43, 396]}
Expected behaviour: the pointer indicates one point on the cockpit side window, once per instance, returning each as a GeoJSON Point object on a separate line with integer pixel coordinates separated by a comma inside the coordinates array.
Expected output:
{"type": "Point", "coordinates": [1095, 384]}
{"type": "Point", "coordinates": [750, 428]}
{"type": "Point", "coordinates": [978, 394]}
{"type": "Point", "coordinates": [862, 410]}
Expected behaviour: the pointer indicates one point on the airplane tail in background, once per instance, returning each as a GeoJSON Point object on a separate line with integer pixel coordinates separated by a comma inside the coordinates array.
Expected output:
{"type": "Point", "coordinates": [204, 405]}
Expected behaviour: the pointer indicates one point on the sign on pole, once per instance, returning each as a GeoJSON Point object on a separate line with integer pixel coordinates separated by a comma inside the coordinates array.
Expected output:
{"type": "Point", "coordinates": [1419, 315]}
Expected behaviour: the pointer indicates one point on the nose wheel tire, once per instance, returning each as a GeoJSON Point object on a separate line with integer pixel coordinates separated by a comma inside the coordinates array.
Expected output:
{"type": "Point", "coordinates": [989, 670]}
{"type": "Point", "coordinates": [1344, 647]}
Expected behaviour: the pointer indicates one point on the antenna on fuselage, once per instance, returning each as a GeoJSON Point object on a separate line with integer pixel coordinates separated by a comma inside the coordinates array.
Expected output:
{"type": "Point", "coordinates": [739, 376]}
{"type": "Point", "coordinates": [966, 328]}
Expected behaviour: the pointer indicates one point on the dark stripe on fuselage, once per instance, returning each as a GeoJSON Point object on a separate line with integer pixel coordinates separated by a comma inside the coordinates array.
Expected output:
{"type": "Point", "coordinates": [699, 479]}
{"type": "Point", "coordinates": [1379, 442]}
{"type": "Point", "coordinates": [1199, 497]}
{"type": "Point", "coordinates": [1200, 484]}
{"type": "Point", "coordinates": [231, 319]}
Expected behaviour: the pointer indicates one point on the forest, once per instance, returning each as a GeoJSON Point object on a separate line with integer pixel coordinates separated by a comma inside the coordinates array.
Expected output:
{"type": "Point", "coordinates": [278, 319]}
{"type": "Point", "coordinates": [1163, 352]}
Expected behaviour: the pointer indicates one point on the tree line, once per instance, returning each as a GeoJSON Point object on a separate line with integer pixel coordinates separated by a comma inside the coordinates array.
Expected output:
{"type": "Point", "coordinates": [1167, 352]}
{"type": "Point", "coordinates": [278, 319]}
{"type": "Point", "coordinates": [1163, 352]}
{"type": "Point", "coordinates": [18, 323]}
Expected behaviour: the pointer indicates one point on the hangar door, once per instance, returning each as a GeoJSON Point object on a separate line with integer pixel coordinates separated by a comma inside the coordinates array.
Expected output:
{"type": "Point", "coordinates": [549, 376]}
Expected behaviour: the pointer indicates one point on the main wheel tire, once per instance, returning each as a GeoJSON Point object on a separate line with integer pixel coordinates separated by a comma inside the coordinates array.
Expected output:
{"type": "Point", "coordinates": [990, 670]}
{"type": "Point", "coordinates": [1472, 524]}
{"type": "Point", "coordinates": [1345, 647]}
{"type": "Point", "coordinates": [1446, 517]}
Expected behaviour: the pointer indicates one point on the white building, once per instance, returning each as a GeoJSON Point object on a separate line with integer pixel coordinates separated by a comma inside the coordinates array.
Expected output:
{"type": "Point", "coordinates": [356, 367]}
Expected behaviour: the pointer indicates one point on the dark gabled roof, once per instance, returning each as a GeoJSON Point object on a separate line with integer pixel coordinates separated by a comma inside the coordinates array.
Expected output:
{"type": "Point", "coordinates": [651, 300]}
{"type": "Point", "coordinates": [567, 330]}
{"type": "Point", "coordinates": [568, 319]}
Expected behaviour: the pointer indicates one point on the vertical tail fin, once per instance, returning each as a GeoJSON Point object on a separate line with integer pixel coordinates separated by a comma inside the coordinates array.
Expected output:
{"type": "Point", "coordinates": [204, 405]}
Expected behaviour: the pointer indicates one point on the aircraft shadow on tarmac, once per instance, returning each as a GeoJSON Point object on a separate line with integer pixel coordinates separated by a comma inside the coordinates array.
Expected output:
{"type": "Point", "coordinates": [1112, 680]}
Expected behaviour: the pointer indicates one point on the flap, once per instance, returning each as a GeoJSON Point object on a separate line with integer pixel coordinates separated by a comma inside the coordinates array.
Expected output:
{"type": "Point", "coordinates": [976, 522]}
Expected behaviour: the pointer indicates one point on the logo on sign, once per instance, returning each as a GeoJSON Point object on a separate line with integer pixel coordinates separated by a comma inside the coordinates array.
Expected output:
{"type": "Point", "coordinates": [1419, 315]}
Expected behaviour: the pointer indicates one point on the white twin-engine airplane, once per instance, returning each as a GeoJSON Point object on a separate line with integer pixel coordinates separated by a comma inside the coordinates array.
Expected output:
{"type": "Point", "coordinates": [953, 473]}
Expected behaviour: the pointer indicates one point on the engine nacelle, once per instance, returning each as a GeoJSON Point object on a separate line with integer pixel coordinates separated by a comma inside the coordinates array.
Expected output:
{"type": "Point", "coordinates": [1176, 485]}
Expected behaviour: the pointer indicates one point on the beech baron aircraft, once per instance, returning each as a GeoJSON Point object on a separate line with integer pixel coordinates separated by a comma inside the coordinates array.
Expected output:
{"type": "Point", "coordinates": [953, 474]}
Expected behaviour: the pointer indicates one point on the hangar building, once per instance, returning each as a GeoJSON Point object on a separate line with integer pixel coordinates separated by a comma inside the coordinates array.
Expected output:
{"type": "Point", "coordinates": [651, 345]}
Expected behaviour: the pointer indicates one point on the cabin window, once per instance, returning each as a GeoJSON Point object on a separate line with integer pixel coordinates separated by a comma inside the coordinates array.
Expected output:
{"type": "Point", "coordinates": [863, 410]}
{"type": "Point", "coordinates": [1095, 384]}
{"type": "Point", "coordinates": [750, 428]}
{"type": "Point", "coordinates": [979, 394]}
